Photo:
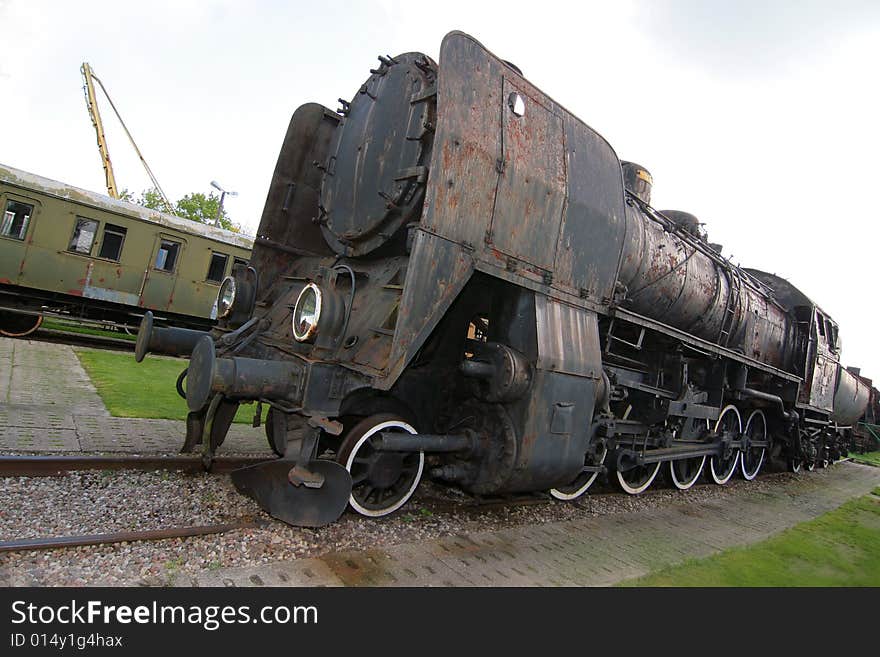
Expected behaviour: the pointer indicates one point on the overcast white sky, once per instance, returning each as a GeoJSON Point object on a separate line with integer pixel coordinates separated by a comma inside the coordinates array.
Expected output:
{"type": "Point", "coordinates": [760, 117]}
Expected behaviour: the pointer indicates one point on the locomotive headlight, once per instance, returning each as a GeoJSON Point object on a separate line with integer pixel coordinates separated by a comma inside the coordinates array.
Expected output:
{"type": "Point", "coordinates": [307, 313]}
{"type": "Point", "coordinates": [226, 297]}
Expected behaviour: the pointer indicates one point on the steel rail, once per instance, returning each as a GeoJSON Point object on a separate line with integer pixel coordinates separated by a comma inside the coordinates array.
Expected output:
{"type": "Point", "coordinates": [81, 339]}
{"type": "Point", "coordinates": [55, 542]}
{"type": "Point", "coordinates": [36, 466]}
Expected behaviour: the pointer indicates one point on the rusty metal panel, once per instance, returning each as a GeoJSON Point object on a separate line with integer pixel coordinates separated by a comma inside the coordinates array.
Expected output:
{"type": "Point", "coordinates": [438, 271]}
{"type": "Point", "coordinates": [594, 224]}
{"type": "Point", "coordinates": [467, 143]}
{"type": "Point", "coordinates": [531, 189]}
{"type": "Point", "coordinates": [554, 431]}
{"type": "Point", "coordinates": [286, 227]}
{"type": "Point", "coordinates": [824, 382]}
{"type": "Point", "coordinates": [568, 339]}
{"type": "Point", "coordinates": [552, 184]}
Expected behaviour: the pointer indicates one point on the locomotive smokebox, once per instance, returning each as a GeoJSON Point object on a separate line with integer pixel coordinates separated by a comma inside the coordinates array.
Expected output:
{"type": "Point", "coordinates": [374, 180]}
{"type": "Point", "coordinates": [638, 180]}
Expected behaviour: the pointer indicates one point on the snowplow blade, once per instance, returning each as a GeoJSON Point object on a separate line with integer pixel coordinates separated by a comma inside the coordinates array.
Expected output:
{"type": "Point", "coordinates": [314, 505]}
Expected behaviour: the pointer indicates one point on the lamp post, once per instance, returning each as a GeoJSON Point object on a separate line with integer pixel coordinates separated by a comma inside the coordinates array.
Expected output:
{"type": "Point", "coordinates": [223, 194]}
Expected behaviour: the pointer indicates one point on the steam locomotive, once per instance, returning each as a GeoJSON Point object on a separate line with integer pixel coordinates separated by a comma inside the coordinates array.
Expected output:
{"type": "Point", "coordinates": [455, 277]}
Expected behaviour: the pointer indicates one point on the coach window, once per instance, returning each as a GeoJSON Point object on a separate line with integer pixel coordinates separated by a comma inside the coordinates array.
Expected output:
{"type": "Point", "coordinates": [83, 236]}
{"type": "Point", "coordinates": [217, 267]}
{"type": "Point", "coordinates": [15, 219]}
{"type": "Point", "coordinates": [111, 246]}
{"type": "Point", "coordinates": [166, 259]}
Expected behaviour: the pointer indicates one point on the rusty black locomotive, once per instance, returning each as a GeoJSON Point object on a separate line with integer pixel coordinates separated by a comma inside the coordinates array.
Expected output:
{"type": "Point", "coordinates": [455, 277]}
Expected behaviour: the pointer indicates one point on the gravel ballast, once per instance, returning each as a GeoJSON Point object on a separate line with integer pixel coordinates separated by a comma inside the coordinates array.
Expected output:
{"type": "Point", "coordinates": [102, 502]}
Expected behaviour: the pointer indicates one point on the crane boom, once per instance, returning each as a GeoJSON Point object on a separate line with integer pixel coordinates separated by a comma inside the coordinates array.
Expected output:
{"type": "Point", "coordinates": [89, 75]}
{"type": "Point", "coordinates": [92, 104]}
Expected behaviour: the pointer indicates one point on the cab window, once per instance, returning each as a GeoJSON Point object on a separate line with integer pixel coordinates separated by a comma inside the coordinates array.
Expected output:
{"type": "Point", "coordinates": [217, 267]}
{"type": "Point", "coordinates": [111, 245]}
{"type": "Point", "coordinates": [83, 237]}
{"type": "Point", "coordinates": [166, 258]}
{"type": "Point", "coordinates": [832, 335]}
{"type": "Point", "coordinates": [16, 217]}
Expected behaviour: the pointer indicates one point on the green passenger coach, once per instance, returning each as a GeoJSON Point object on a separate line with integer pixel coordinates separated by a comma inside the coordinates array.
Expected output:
{"type": "Point", "coordinates": [74, 252]}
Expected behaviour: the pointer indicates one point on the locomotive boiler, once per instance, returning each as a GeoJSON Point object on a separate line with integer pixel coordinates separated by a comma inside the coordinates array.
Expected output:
{"type": "Point", "coordinates": [455, 277]}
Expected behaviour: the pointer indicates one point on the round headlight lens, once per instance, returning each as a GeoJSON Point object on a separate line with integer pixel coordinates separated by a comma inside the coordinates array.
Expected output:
{"type": "Point", "coordinates": [307, 313]}
{"type": "Point", "coordinates": [226, 297]}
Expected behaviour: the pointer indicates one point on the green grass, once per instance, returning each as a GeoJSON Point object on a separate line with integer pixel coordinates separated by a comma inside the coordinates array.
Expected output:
{"type": "Point", "coordinates": [146, 390]}
{"type": "Point", "coordinates": [871, 458]}
{"type": "Point", "coordinates": [70, 327]}
{"type": "Point", "coordinates": [839, 548]}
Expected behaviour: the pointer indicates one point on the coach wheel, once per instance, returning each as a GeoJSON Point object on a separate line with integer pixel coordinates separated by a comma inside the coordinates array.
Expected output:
{"type": "Point", "coordinates": [381, 482]}
{"type": "Point", "coordinates": [18, 325]}
{"type": "Point", "coordinates": [721, 467]}
{"type": "Point", "coordinates": [636, 480]}
{"type": "Point", "coordinates": [753, 457]}
{"type": "Point", "coordinates": [580, 485]}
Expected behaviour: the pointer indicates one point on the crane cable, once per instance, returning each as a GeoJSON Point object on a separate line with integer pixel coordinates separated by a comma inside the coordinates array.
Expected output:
{"type": "Point", "coordinates": [168, 206]}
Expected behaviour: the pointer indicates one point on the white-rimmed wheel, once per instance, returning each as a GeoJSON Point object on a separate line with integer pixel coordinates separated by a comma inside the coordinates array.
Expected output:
{"type": "Point", "coordinates": [583, 481]}
{"type": "Point", "coordinates": [637, 479]}
{"type": "Point", "coordinates": [685, 472]}
{"type": "Point", "coordinates": [753, 457]}
{"type": "Point", "coordinates": [722, 466]}
{"type": "Point", "coordinates": [381, 482]}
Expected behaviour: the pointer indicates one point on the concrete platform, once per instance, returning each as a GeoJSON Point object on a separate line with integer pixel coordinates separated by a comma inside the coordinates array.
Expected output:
{"type": "Point", "coordinates": [48, 404]}
{"type": "Point", "coordinates": [598, 551]}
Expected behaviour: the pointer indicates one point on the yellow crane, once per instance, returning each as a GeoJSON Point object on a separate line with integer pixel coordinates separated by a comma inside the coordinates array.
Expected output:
{"type": "Point", "coordinates": [92, 103]}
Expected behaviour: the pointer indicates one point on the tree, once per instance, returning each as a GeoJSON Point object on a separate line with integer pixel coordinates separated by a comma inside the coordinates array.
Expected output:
{"type": "Point", "coordinates": [201, 208]}
{"type": "Point", "coordinates": [195, 206]}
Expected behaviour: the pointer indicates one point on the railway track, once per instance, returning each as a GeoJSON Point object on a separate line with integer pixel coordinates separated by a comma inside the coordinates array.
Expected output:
{"type": "Point", "coordinates": [47, 466]}
{"type": "Point", "coordinates": [82, 339]}
{"type": "Point", "coordinates": [55, 542]}
{"type": "Point", "coordinates": [51, 465]}
{"type": "Point", "coordinates": [14, 465]}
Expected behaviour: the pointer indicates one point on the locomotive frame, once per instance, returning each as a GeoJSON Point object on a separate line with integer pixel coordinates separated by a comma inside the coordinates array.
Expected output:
{"type": "Point", "coordinates": [461, 279]}
{"type": "Point", "coordinates": [69, 251]}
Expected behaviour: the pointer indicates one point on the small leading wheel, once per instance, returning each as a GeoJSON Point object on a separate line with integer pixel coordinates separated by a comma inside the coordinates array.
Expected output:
{"type": "Point", "coordinates": [18, 325]}
{"type": "Point", "coordinates": [685, 472]}
{"type": "Point", "coordinates": [381, 482]}
{"type": "Point", "coordinates": [721, 467]}
{"type": "Point", "coordinates": [583, 481]}
{"type": "Point", "coordinates": [794, 464]}
{"type": "Point", "coordinates": [637, 479]}
{"type": "Point", "coordinates": [752, 458]}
